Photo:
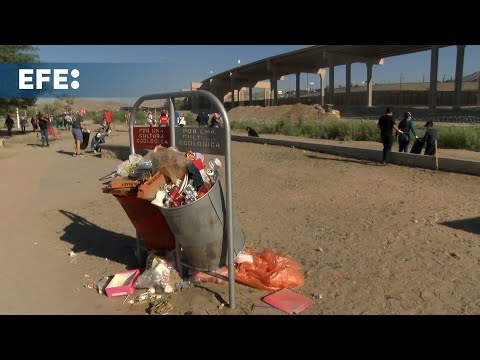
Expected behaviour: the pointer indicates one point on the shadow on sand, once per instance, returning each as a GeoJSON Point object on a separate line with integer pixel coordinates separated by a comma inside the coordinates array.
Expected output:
{"type": "Point", "coordinates": [469, 225]}
{"type": "Point", "coordinates": [93, 240]}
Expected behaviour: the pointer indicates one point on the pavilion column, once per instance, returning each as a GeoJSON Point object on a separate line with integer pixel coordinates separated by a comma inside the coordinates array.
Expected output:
{"type": "Point", "coordinates": [331, 83]}
{"type": "Point", "coordinates": [273, 86]}
{"type": "Point", "coordinates": [432, 103]}
{"type": "Point", "coordinates": [458, 77]}
{"type": "Point", "coordinates": [348, 83]}
{"type": "Point", "coordinates": [321, 73]}
{"type": "Point", "coordinates": [369, 84]}
{"type": "Point", "coordinates": [232, 90]}
{"type": "Point", "coordinates": [297, 86]}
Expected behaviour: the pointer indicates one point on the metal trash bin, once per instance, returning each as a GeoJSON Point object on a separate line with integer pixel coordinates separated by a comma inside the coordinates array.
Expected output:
{"type": "Point", "coordinates": [199, 228]}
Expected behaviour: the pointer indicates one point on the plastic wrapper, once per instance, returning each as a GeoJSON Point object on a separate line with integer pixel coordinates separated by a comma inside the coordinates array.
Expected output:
{"type": "Point", "coordinates": [142, 168]}
{"type": "Point", "coordinates": [169, 162]}
{"type": "Point", "coordinates": [157, 275]}
{"type": "Point", "coordinates": [153, 260]}
{"type": "Point", "coordinates": [127, 166]}
{"type": "Point", "coordinates": [149, 278]}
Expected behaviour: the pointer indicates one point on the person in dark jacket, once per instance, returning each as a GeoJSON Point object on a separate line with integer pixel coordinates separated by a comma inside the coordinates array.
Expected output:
{"type": "Point", "coordinates": [214, 123]}
{"type": "Point", "coordinates": [9, 124]}
{"type": "Point", "coordinates": [406, 125]}
{"type": "Point", "coordinates": [98, 139]}
{"type": "Point", "coordinates": [386, 123]}
{"type": "Point", "coordinates": [202, 119]}
{"type": "Point", "coordinates": [43, 124]}
{"type": "Point", "coordinates": [430, 138]}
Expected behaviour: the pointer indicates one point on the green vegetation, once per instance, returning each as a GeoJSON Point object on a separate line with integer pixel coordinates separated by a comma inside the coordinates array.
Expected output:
{"type": "Point", "coordinates": [459, 137]}
{"type": "Point", "coordinates": [17, 53]}
{"type": "Point", "coordinates": [449, 136]}
{"type": "Point", "coordinates": [190, 119]}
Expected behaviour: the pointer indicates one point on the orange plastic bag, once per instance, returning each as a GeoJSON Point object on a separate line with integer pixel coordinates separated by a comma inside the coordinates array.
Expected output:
{"type": "Point", "coordinates": [269, 271]}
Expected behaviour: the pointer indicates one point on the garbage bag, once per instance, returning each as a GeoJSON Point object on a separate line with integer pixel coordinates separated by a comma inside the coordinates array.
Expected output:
{"type": "Point", "coordinates": [269, 271]}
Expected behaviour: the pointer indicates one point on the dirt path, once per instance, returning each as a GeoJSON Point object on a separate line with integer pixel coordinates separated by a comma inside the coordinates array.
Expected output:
{"type": "Point", "coordinates": [370, 239]}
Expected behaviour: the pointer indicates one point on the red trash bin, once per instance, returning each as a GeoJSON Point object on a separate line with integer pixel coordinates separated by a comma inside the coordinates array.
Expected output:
{"type": "Point", "coordinates": [149, 222]}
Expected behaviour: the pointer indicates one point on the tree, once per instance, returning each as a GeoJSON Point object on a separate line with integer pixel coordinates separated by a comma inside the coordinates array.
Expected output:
{"type": "Point", "coordinates": [17, 53]}
{"type": "Point", "coordinates": [69, 103]}
{"type": "Point", "coordinates": [62, 104]}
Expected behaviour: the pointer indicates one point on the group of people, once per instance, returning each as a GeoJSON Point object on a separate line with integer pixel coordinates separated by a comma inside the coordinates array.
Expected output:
{"type": "Point", "coordinates": [203, 118]}
{"type": "Point", "coordinates": [76, 124]}
{"type": "Point", "coordinates": [164, 119]}
{"type": "Point", "coordinates": [9, 123]}
{"type": "Point", "coordinates": [387, 124]}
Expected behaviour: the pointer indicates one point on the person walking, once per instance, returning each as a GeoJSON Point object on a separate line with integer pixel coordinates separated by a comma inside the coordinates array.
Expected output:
{"type": "Point", "coordinates": [23, 124]}
{"type": "Point", "coordinates": [43, 124]}
{"type": "Point", "coordinates": [386, 123]}
{"type": "Point", "coordinates": [68, 121]}
{"type": "Point", "coordinates": [9, 124]}
{"type": "Point", "coordinates": [108, 121]}
{"type": "Point", "coordinates": [77, 132]}
{"type": "Point", "coordinates": [406, 125]}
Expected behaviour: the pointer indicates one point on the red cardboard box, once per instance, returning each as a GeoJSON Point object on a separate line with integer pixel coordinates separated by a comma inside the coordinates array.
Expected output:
{"type": "Point", "coordinates": [122, 283]}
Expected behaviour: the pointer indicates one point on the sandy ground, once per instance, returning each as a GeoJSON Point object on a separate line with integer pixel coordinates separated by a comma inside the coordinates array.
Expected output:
{"type": "Point", "coordinates": [370, 239]}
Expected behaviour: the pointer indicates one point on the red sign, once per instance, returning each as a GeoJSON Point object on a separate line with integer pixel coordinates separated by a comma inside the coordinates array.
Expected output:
{"type": "Point", "coordinates": [149, 137]}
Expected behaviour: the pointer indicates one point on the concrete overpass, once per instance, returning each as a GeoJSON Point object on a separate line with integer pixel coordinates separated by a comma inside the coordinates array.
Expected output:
{"type": "Point", "coordinates": [316, 59]}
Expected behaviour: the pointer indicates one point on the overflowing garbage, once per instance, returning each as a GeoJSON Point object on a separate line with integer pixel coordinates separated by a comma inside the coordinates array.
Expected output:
{"type": "Point", "coordinates": [166, 178]}
{"type": "Point", "coordinates": [160, 277]}
{"type": "Point", "coordinates": [170, 179]}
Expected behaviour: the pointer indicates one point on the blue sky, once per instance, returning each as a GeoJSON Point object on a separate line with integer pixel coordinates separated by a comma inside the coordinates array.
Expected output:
{"type": "Point", "coordinates": [183, 64]}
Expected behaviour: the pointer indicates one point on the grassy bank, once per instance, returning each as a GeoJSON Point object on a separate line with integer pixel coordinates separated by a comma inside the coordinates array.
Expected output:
{"type": "Point", "coordinates": [450, 136]}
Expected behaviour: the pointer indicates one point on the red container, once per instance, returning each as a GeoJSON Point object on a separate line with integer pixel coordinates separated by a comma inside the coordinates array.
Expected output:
{"type": "Point", "coordinates": [149, 223]}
